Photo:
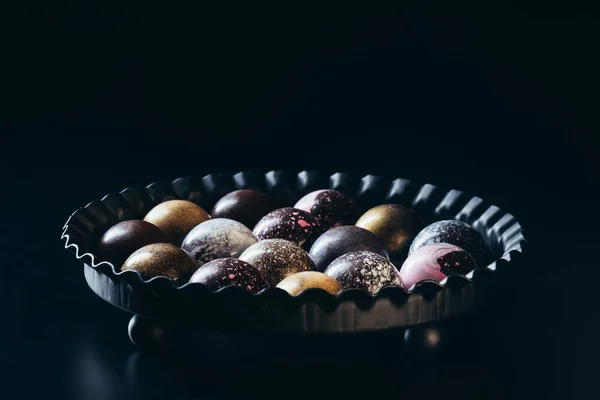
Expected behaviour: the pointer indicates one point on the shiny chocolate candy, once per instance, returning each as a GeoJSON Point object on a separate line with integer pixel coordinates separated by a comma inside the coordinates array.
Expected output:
{"type": "Point", "coordinates": [435, 262]}
{"type": "Point", "coordinates": [122, 239]}
{"type": "Point", "coordinates": [161, 259]}
{"type": "Point", "coordinates": [331, 207]}
{"type": "Point", "coordinates": [364, 270]}
{"type": "Point", "coordinates": [394, 225]}
{"type": "Point", "coordinates": [246, 206]}
{"type": "Point", "coordinates": [298, 226]}
{"type": "Point", "coordinates": [277, 259]}
{"type": "Point", "coordinates": [176, 218]}
{"type": "Point", "coordinates": [223, 272]}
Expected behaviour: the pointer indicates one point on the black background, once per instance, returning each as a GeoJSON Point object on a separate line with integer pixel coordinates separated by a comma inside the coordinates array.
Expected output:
{"type": "Point", "coordinates": [498, 98]}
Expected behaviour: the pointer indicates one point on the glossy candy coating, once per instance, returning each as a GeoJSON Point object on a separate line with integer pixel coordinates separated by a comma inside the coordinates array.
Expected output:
{"type": "Point", "coordinates": [435, 262]}
{"type": "Point", "coordinates": [217, 238]}
{"type": "Point", "coordinates": [457, 233]}
{"type": "Point", "coordinates": [176, 218]}
{"type": "Point", "coordinates": [223, 272]}
{"type": "Point", "coordinates": [277, 259]}
{"type": "Point", "coordinates": [394, 225]}
{"type": "Point", "coordinates": [364, 270]}
{"type": "Point", "coordinates": [161, 259]}
{"type": "Point", "coordinates": [341, 240]}
{"type": "Point", "coordinates": [331, 207]}
{"type": "Point", "coordinates": [246, 206]}
{"type": "Point", "coordinates": [298, 282]}
{"type": "Point", "coordinates": [298, 226]}
{"type": "Point", "coordinates": [122, 239]}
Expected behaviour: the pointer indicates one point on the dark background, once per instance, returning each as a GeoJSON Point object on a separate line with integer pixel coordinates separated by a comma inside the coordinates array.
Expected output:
{"type": "Point", "coordinates": [498, 98]}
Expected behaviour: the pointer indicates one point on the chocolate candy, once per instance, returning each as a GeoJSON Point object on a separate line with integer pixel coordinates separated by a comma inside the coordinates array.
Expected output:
{"type": "Point", "coordinates": [246, 206]}
{"type": "Point", "coordinates": [217, 238]}
{"type": "Point", "coordinates": [161, 259]}
{"type": "Point", "coordinates": [435, 262]}
{"type": "Point", "coordinates": [296, 283]}
{"type": "Point", "coordinates": [364, 270]}
{"type": "Point", "coordinates": [276, 259]}
{"type": "Point", "coordinates": [176, 218]}
{"type": "Point", "coordinates": [341, 240]}
{"type": "Point", "coordinates": [122, 239]}
{"type": "Point", "coordinates": [457, 233]}
{"type": "Point", "coordinates": [332, 208]}
{"type": "Point", "coordinates": [298, 226]}
{"type": "Point", "coordinates": [223, 272]}
{"type": "Point", "coordinates": [394, 225]}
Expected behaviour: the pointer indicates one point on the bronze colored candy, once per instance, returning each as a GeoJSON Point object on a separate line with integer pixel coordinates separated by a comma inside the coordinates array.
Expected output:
{"type": "Point", "coordinates": [276, 259]}
{"type": "Point", "coordinates": [176, 218]}
{"type": "Point", "coordinates": [122, 239]}
{"type": "Point", "coordinates": [394, 225]}
{"type": "Point", "coordinates": [300, 281]}
{"type": "Point", "coordinates": [246, 206]}
{"type": "Point", "coordinates": [161, 259]}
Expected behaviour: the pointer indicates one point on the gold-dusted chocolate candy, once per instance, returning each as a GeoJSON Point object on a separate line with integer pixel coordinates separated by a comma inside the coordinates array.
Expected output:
{"type": "Point", "coordinates": [300, 281]}
{"type": "Point", "coordinates": [176, 218]}
{"type": "Point", "coordinates": [394, 225]}
{"type": "Point", "coordinates": [161, 259]}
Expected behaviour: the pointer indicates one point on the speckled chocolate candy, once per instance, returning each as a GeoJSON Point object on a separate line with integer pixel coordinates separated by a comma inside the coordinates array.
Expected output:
{"type": "Point", "coordinates": [122, 239]}
{"type": "Point", "coordinates": [331, 207]}
{"type": "Point", "coordinates": [161, 259]}
{"type": "Point", "coordinates": [457, 233]}
{"type": "Point", "coordinates": [341, 240]}
{"type": "Point", "coordinates": [246, 206]}
{"type": "Point", "coordinates": [217, 238]}
{"type": "Point", "coordinates": [277, 259]}
{"type": "Point", "coordinates": [296, 283]}
{"type": "Point", "coordinates": [394, 225]}
{"type": "Point", "coordinates": [435, 262]}
{"type": "Point", "coordinates": [176, 218]}
{"type": "Point", "coordinates": [224, 272]}
{"type": "Point", "coordinates": [364, 270]}
{"type": "Point", "coordinates": [298, 226]}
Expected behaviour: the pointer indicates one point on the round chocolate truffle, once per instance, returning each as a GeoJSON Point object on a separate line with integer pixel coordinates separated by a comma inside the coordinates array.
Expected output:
{"type": "Point", "coordinates": [246, 206]}
{"type": "Point", "coordinates": [222, 272]}
{"type": "Point", "coordinates": [341, 240]}
{"type": "Point", "coordinates": [364, 270]}
{"type": "Point", "coordinates": [161, 259]}
{"type": "Point", "coordinates": [217, 238]}
{"type": "Point", "coordinates": [394, 225]}
{"type": "Point", "coordinates": [122, 239]}
{"type": "Point", "coordinates": [176, 218]}
{"type": "Point", "coordinates": [435, 262]}
{"type": "Point", "coordinates": [296, 283]}
{"type": "Point", "coordinates": [331, 207]}
{"type": "Point", "coordinates": [298, 226]}
{"type": "Point", "coordinates": [457, 233]}
{"type": "Point", "coordinates": [276, 259]}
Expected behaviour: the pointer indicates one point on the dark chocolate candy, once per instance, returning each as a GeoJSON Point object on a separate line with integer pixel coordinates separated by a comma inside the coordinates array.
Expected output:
{"type": "Point", "coordinates": [161, 259]}
{"type": "Point", "coordinates": [331, 207]}
{"type": "Point", "coordinates": [176, 218]}
{"type": "Point", "coordinates": [223, 272]}
{"type": "Point", "coordinates": [246, 206]}
{"type": "Point", "coordinates": [276, 259]}
{"type": "Point", "coordinates": [122, 239]}
{"type": "Point", "coordinates": [457, 233]}
{"type": "Point", "coordinates": [435, 262]}
{"type": "Point", "coordinates": [298, 226]}
{"type": "Point", "coordinates": [341, 240]}
{"type": "Point", "coordinates": [394, 225]}
{"type": "Point", "coordinates": [217, 238]}
{"type": "Point", "coordinates": [298, 282]}
{"type": "Point", "coordinates": [364, 270]}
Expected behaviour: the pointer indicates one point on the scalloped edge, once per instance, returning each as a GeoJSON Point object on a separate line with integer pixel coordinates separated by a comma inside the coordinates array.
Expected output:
{"type": "Point", "coordinates": [159, 282]}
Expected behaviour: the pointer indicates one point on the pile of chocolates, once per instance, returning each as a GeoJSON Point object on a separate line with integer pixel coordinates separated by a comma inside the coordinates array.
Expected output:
{"type": "Point", "coordinates": [322, 242]}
